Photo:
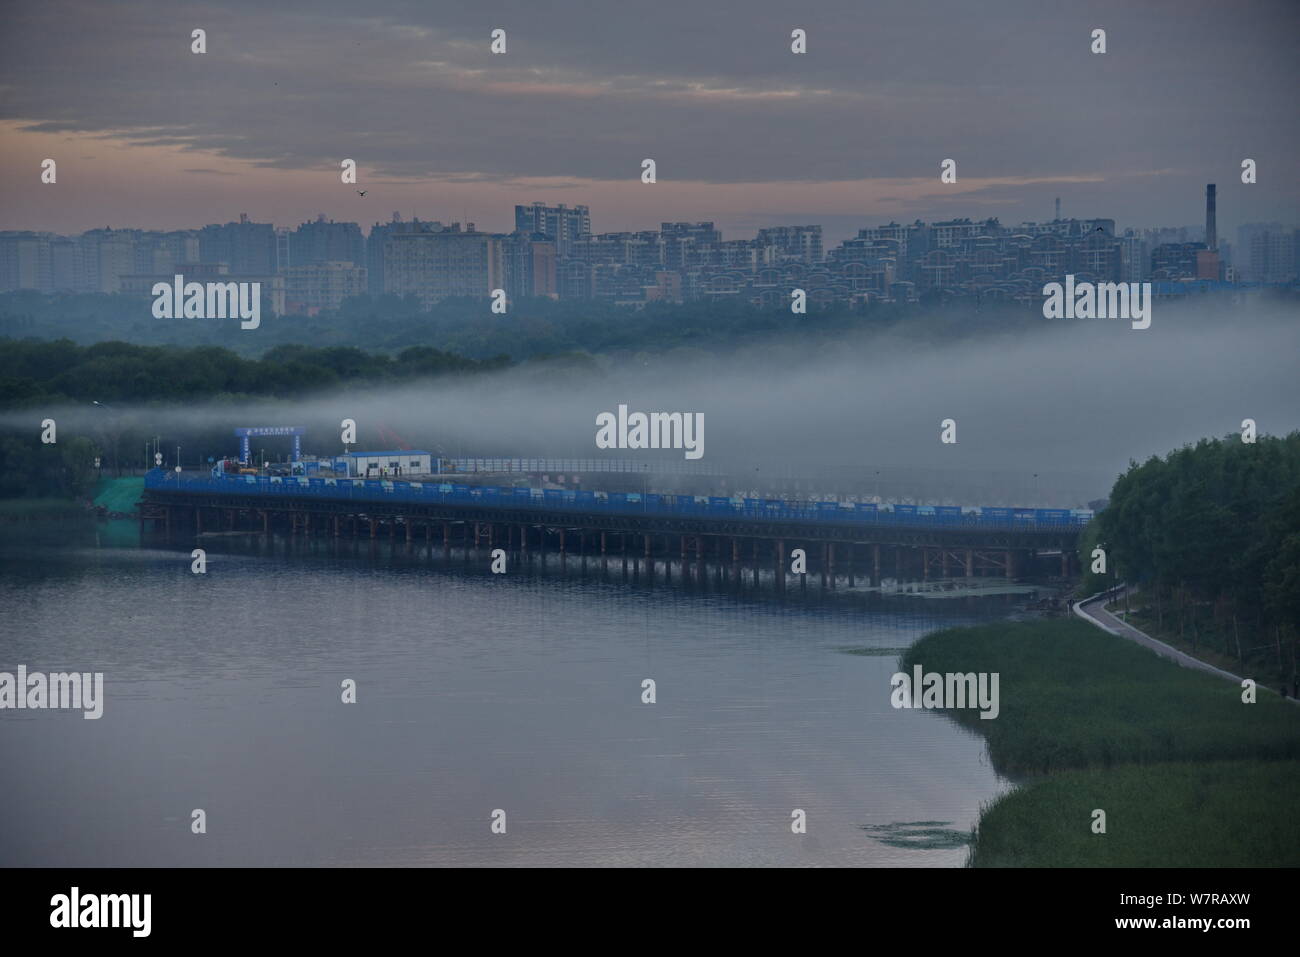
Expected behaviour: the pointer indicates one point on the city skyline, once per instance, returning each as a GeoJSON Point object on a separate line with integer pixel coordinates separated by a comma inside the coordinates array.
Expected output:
{"type": "Point", "coordinates": [553, 253]}
{"type": "Point", "coordinates": [745, 133]}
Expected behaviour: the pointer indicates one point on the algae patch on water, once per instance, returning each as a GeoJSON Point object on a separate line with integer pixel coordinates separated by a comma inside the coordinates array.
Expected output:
{"type": "Point", "coordinates": [922, 835]}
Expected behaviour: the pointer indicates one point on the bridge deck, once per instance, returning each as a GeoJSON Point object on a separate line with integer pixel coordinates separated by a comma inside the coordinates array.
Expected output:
{"type": "Point", "coordinates": [757, 518]}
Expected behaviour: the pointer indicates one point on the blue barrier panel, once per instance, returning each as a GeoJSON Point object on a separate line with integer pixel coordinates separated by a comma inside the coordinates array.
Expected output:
{"type": "Point", "coordinates": [594, 500]}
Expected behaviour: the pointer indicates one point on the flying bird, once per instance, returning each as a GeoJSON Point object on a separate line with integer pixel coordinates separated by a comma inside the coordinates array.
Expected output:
{"type": "Point", "coordinates": [361, 192]}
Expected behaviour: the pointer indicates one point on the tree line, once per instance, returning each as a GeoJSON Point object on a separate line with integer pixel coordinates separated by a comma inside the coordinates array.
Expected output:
{"type": "Point", "coordinates": [33, 371]}
{"type": "Point", "coordinates": [1211, 532]}
{"type": "Point", "coordinates": [467, 327]}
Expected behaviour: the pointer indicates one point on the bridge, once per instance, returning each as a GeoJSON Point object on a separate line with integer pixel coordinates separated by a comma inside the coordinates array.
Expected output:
{"type": "Point", "coordinates": [858, 540]}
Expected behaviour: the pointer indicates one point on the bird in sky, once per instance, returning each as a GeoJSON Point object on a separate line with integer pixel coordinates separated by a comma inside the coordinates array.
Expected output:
{"type": "Point", "coordinates": [361, 192]}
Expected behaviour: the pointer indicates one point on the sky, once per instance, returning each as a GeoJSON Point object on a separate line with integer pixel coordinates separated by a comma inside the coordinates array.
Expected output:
{"type": "Point", "coordinates": [743, 131]}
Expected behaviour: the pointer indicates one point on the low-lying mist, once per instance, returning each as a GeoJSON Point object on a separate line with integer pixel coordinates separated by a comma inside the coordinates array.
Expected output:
{"type": "Point", "coordinates": [1051, 411]}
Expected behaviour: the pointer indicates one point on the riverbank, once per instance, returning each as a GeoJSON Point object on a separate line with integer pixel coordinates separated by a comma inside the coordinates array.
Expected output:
{"type": "Point", "coordinates": [1186, 773]}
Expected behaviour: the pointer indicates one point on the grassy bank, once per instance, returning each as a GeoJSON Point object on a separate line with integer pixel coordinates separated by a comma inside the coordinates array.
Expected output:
{"type": "Point", "coordinates": [1184, 814]}
{"type": "Point", "coordinates": [1186, 772]}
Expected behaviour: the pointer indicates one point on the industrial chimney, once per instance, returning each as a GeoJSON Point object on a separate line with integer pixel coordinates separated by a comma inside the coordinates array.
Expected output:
{"type": "Point", "coordinates": [1211, 228]}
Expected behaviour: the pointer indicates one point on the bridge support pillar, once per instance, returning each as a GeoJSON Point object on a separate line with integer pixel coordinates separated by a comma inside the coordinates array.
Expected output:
{"type": "Point", "coordinates": [850, 564]}
{"type": "Point", "coordinates": [875, 565]}
{"type": "Point", "coordinates": [374, 528]}
{"type": "Point", "coordinates": [602, 544]}
{"type": "Point", "coordinates": [830, 563]}
{"type": "Point", "coordinates": [970, 563]}
{"type": "Point", "coordinates": [945, 562]}
{"type": "Point", "coordinates": [1065, 562]}
{"type": "Point", "coordinates": [1011, 565]}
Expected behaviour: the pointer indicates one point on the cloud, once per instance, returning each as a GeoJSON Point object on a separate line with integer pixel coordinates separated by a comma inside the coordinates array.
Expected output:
{"type": "Point", "coordinates": [712, 91]}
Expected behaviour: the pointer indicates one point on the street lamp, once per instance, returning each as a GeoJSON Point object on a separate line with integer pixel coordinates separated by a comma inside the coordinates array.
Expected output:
{"type": "Point", "coordinates": [109, 432]}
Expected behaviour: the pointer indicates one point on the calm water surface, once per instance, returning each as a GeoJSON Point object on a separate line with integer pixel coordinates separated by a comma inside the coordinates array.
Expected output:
{"type": "Point", "coordinates": [475, 692]}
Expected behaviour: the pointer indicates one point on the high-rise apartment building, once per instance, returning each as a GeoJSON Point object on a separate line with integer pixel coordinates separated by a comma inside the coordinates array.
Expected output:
{"type": "Point", "coordinates": [324, 241]}
{"type": "Point", "coordinates": [249, 249]}
{"type": "Point", "coordinates": [322, 285]}
{"type": "Point", "coordinates": [434, 265]}
{"type": "Point", "coordinates": [562, 224]}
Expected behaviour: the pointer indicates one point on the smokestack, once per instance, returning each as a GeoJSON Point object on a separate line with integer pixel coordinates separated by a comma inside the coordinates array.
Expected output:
{"type": "Point", "coordinates": [1058, 208]}
{"type": "Point", "coordinates": [243, 217]}
{"type": "Point", "coordinates": [1211, 228]}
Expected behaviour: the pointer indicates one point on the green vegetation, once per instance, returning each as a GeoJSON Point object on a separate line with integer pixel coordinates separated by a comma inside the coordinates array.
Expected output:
{"type": "Point", "coordinates": [466, 327]}
{"type": "Point", "coordinates": [1211, 533]}
{"type": "Point", "coordinates": [1186, 772]}
{"type": "Point", "coordinates": [1074, 696]}
{"type": "Point", "coordinates": [30, 469]}
{"type": "Point", "coordinates": [1217, 814]}
{"type": "Point", "coordinates": [35, 372]}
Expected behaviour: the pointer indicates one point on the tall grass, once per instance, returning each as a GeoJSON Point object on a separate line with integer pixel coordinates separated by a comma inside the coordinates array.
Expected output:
{"type": "Point", "coordinates": [1186, 773]}
{"type": "Point", "coordinates": [1212, 814]}
{"type": "Point", "coordinates": [1073, 696]}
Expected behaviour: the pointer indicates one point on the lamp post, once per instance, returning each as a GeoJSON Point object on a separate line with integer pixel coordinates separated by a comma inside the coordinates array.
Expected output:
{"type": "Point", "coordinates": [110, 431]}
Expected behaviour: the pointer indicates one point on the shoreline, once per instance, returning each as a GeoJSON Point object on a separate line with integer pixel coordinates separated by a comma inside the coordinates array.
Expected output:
{"type": "Point", "coordinates": [1094, 722]}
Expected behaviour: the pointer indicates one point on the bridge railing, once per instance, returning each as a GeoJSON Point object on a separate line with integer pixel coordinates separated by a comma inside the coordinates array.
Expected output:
{"type": "Point", "coordinates": [382, 491]}
{"type": "Point", "coordinates": [561, 466]}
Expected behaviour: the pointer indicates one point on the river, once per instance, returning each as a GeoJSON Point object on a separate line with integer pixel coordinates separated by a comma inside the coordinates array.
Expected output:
{"type": "Point", "coordinates": [475, 693]}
